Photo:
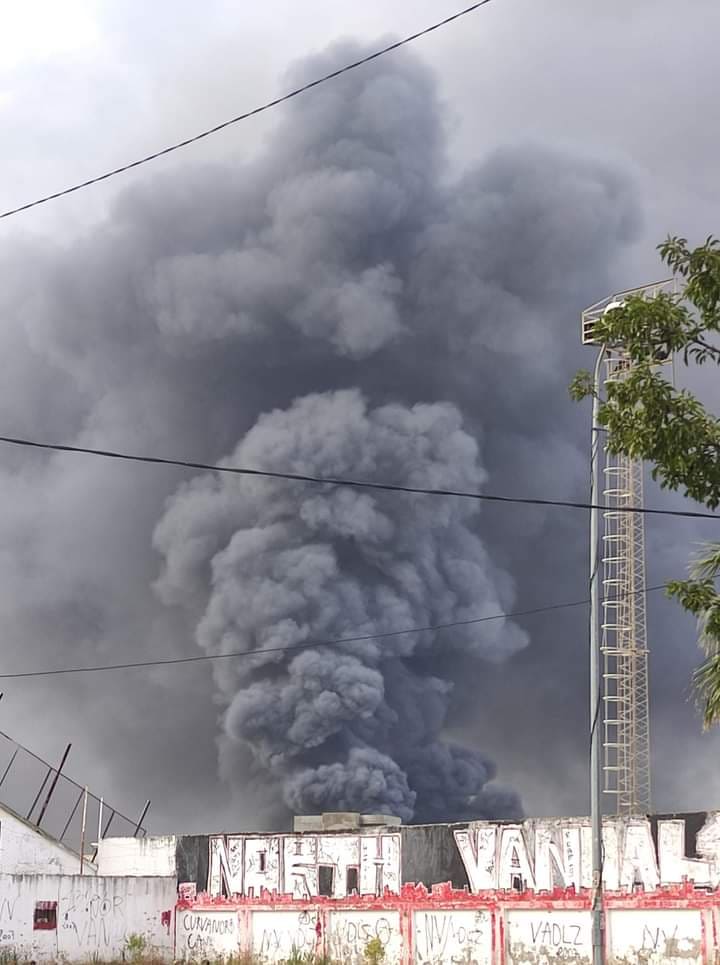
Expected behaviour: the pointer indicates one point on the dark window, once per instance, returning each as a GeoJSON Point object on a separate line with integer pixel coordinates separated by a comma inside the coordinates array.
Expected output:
{"type": "Point", "coordinates": [45, 917]}
{"type": "Point", "coordinates": [326, 878]}
{"type": "Point", "coordinates": [351, 881]}
{"type": "Point", "coordinates": [263, 858]}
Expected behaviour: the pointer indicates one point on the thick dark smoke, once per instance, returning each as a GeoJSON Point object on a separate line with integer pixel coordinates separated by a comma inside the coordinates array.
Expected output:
{"type": "Point", "coordinates": [342, 307]}
{"type": "Point", "coordinates": [357, 251]}
{"type": "Point", "coordinates": [355, 727]}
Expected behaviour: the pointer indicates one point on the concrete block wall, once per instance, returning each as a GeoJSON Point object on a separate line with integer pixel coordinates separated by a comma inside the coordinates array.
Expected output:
{"type": "Point", "coordinates": [446, 927]}
{"type": "Point", "coordinates": [84, 918]}
{"type": "Point", "coordinates": [95, 918]}
{"type": "Point", "coordinates": [491, 894]}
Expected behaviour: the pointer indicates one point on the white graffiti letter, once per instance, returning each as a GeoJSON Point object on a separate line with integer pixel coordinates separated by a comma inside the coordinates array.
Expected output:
{"type": "Point", "coordinates": [515, 867]}
{"type": "Point", "coordinates": [262, 865]}
{"type": "Point", "coordinates": [477, 850]}
{"type": "Point", "coordinates": [225, 875]}
{"type": "Point", "coordinates": [563, 859]}
{"type": "Point", "coordinates": [379, 863]}
{"type": "Point", "coordinates": [639, 859]}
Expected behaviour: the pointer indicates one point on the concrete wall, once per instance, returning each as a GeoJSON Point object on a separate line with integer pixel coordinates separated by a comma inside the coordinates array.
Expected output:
{"type": "Point", "coordinates": [484, 893]}
{"type": "Point", "coordinates": [94, 917]}
{"type": "Point", "coordinates": [137, 857]}
{"type": "Point", "coordinates": [535, 855]}
{"type": "Point", "coordinates": [447, 927]}
{"type": "Point", "coordinates": [97, 916]}
{"type": "Point", "coordinates": [26, 850]}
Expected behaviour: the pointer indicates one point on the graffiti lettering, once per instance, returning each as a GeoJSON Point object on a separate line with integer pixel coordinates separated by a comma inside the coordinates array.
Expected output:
{"type": "Point", "coordinates": [350, 934]}
{"type": "Point", "coordinates": [209, 934]}
{"type": "Point", "coordinates": [453, 936]}
{"type": "Point", "coordinates": [304, 866]}
{"type": "Point", "coordinates": [537, 855]}
{"type": "Point", "coordinates": [7, 908]}
{"type": "Point", "coordinates": [93, 920]}
{"type": "Point", "coordinates": [204, 923]}
{"type": "Point", "coordinates": [549, 933]}
{"type": "Point", "coordinates": [542, 855]}
{"type": "Point", "coordinates": [655, 938]}
{"type": "Point", "coordinates": [279, 935]}
{"type": "Point", "coordinates": [557, 936]}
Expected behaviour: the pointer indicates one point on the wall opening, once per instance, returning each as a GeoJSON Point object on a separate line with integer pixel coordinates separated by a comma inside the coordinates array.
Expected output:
{"type": "Point", "coordinates": [326, 879]}
{"type": "Point", "coordinates": [45, 916]}
{"type": "Point", "coordinates": [351, 881]}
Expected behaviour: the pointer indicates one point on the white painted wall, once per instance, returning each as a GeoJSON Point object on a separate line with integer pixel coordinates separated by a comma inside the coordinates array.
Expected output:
{"type": "Point", "coordinates": [452, 936]}
{"type": "Point", "coordinates": [26, 850]}
{"type": "Point", "coordinates": [137, 857]}
{"type": "Point", "coordinates": [547, 937]}
{"type": "Point", "coordinates": [212, 935]}
{"type": "Point", "coordinates": [95, 916]}
{"type": "Point", "coordinates": [350, 932]}
{"type": "Point", "coordinates": [18, 897]}
{"type": "Point", "coordinates": [276, 933]}
{"type": "Point", "coordinates": [663, 937]}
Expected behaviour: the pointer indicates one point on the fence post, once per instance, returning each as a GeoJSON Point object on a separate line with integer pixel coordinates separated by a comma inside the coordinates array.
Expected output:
{"type": "Point", "coordinates": [82, 831]}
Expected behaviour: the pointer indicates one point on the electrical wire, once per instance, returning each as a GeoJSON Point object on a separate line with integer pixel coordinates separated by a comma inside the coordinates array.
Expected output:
{"type": "Point", "coordinates": [238, 654]}
{"type": "Point", "coordinates": [350, 483]}
{"type": "Point", "coordinates": [251, 113]}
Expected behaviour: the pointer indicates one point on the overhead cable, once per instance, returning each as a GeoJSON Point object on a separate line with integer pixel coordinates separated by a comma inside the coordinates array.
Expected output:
{"type": "Point", "coordinates": [243, 117]}
{"type": "Point", "coordinates": [310, 644]}
{"type": "Point", "coordinates": [350, 483]}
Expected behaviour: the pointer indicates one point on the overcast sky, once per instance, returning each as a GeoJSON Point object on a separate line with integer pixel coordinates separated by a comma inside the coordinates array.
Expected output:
{"type": "Point", "coordinates": [572, 137]}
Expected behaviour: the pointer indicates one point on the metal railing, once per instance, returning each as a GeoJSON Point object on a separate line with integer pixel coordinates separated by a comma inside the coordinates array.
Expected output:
{"type": "Point", "coordinates": [46, 797]}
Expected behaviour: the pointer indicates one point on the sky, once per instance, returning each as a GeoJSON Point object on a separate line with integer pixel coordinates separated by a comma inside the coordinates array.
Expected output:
{"type": "Point", "coordinates": [383, 277]}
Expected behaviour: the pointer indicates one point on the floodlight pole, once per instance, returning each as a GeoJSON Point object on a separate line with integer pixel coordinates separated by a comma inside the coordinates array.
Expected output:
{"type": "Point", "coordinates": [596, 715]}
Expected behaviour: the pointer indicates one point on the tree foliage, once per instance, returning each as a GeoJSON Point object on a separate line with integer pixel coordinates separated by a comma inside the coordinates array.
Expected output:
{"type": "Point", "coordinates": [648, 418]}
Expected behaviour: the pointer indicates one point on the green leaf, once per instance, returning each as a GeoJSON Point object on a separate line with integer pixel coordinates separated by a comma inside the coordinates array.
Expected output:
{"type": "Point", "coordinates": [647, 418]}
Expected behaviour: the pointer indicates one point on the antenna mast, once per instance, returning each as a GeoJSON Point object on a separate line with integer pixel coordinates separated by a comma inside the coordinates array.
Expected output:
{"type": "Point", "coordinates": [625, 724]}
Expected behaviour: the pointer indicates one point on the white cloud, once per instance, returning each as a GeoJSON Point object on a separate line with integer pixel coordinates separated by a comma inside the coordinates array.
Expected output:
{"type": "Point", "coordinates": [39, 30]}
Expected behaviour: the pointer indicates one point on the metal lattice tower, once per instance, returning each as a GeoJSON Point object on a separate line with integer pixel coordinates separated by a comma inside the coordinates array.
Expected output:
{"type": "Point", "coordinates": [621, 555]}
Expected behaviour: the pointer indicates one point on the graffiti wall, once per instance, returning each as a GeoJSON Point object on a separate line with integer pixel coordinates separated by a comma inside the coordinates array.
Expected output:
{"type": "Point", "coordinates": [72, 918]}
{"type": "Point", "coordinates": [534, 856]}
{"type": "Point", "coordinates": [446, 927]}
{"type": "Point", "coordinates": [480, 893]}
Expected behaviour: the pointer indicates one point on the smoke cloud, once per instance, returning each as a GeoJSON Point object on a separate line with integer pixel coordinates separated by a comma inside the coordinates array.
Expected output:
{"type": "Point", "coordinates": [282, 567]}
{"type": "Point", "coordinates": [340, 306]}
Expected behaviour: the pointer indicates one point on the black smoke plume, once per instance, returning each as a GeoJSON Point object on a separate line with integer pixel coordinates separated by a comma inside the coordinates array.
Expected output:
{"type": "Point", "coordinates": [343, 305]}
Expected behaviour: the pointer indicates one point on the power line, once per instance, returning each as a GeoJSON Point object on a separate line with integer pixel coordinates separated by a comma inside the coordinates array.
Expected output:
{"type": "Point", "coordinates": [251, 113]}
{"type": "Point", "coordinates": [202, 658]}
{"type": "Point", "coordinates": [350, 483]}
